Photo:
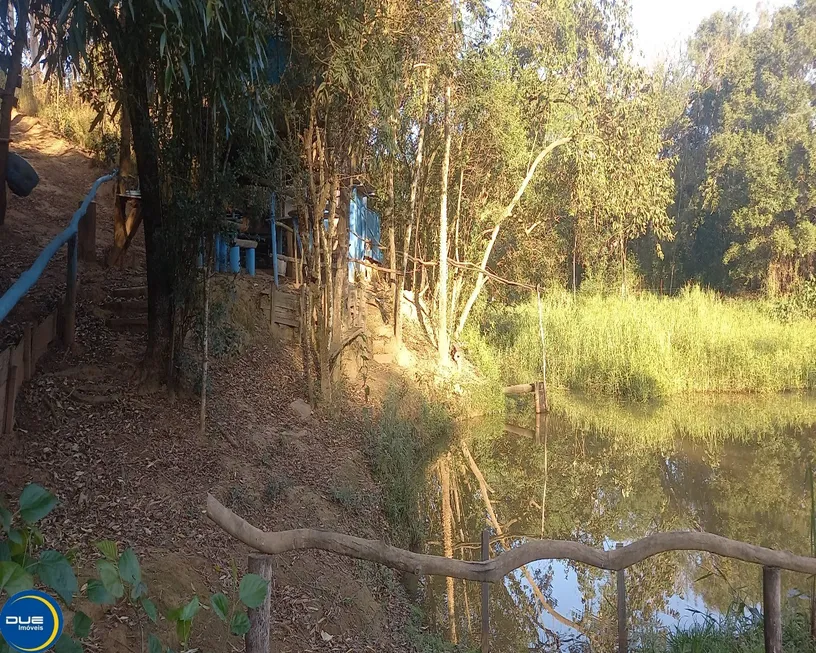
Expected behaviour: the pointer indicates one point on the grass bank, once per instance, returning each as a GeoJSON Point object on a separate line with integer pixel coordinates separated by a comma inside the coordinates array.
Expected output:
{"type": "Point", "coordinates": [648, 346]}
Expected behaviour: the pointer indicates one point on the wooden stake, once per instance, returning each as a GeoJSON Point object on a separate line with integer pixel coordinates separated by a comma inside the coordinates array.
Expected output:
{"type": "Point", "coordinates": [69, 315]}
{"type": "Point", "coordinates": [772, 604]}
{"type": "Point", "coordinates": [485, 594]}
{"type": "Point", "coordinates": [11, 397]}
{"type": "Point", "coordinates": [623, 635]}
{"type": "Point", "coordinates": [28, 356]}
{"type": "Point", "coordinates": [260, 618]}
{"type": "Point", "coordinates": [87, 234]}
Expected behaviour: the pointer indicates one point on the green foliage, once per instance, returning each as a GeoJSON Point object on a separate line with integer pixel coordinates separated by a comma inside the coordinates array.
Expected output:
{"type": "Point", "coordinates": [402, 444]}
{"type": "Point", "coordinates": [732, 633]}
{"type": "Point", "coordinates": [646, 347]}
{"type": "Point", "coordinates": [252, 591]}
{"type": "Point", "coordinates": [120, 578]}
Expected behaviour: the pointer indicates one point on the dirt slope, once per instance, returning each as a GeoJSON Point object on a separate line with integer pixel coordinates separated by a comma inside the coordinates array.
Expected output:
{"type": "Point", "coordinates": [131, 467]}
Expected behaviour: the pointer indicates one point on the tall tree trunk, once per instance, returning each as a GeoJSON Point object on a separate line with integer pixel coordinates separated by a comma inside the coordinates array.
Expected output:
{"type": "Point", "coordinates": [205, 354]}
{"type": "Point", "coordinates": [481, 280]}
{"type": "Point", "coordinates": [15, 68]}
{"type": "Point", "coordinates": [390, 219]}
{"type": "Point", "coordinates": [442, 335]}
{"type": "Point", "coordinates": [417, 171]}
{"type": "Point", "coordinates": [159, 283]}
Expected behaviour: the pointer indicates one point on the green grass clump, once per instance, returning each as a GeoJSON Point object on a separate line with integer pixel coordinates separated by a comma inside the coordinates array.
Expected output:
{"type": "Point", "coordinates": [729, 634]}
{"type": "Point", "coordinates": [648, 346]}
{"type": "Point", "coordinates": [407, 437]}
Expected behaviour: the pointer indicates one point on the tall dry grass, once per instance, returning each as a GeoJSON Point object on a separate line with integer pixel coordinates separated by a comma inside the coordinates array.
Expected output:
{"type": "Point", "coordinates": [648, 346]}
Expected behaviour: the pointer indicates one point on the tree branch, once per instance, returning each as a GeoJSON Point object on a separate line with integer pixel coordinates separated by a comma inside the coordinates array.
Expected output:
{"type": "Point", "coordinates": [494, 570]}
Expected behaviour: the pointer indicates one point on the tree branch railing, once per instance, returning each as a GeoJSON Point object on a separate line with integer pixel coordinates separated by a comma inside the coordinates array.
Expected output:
{"type": "Point", "coordinates": [495, 569]}
{"type": "Point", "coordinates": [28, 278]}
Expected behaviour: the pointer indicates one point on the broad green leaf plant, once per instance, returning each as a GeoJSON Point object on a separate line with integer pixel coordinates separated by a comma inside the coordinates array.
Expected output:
{"type": "Point", "coordinates": [24, 564]}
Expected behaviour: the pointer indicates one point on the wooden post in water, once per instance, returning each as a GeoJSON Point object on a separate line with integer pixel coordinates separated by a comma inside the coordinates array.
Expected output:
{"type": "Point", "coordinates": [623, 635]}
{"type": "Point", "coordinates": [772, 608]}
{"type": "Point", "coordinates": [485, 595]}
{"type": "Point", "coordinates": [69, 314]}
{"type": "Point", "coordinates": [87, 234]}
{"type": "Point", "coordinates": [260, 618]}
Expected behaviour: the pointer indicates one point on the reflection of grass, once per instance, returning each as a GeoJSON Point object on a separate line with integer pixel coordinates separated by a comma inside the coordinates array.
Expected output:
{"type": "Point", "coordinates": [648, 346]}
{"type": "Point", "coordinates": [730, 634]}
{"type": "Point", "coordinates": [403, 442]}
{"type": "Point", "coordinates": [701, 417]}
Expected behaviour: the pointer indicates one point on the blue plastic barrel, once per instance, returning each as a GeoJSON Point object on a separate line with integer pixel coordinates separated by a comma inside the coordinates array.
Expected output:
{"type": "Point", "coordinates": [250, 262]}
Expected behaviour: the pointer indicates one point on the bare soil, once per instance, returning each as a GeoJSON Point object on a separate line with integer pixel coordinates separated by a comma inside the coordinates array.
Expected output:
{"type": "Point", "coordinates": [131, 467]}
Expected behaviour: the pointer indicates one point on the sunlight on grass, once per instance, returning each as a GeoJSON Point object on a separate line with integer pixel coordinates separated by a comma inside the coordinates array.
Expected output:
{"type": "Point", "coordinates": [649, 346]}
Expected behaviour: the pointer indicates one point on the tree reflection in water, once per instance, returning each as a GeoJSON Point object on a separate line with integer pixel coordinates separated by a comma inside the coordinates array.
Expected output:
{"type": "Point", "coordinates": [605, 472]}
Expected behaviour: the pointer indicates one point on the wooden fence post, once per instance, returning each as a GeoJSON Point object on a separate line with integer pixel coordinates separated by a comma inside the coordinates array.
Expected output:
{"type": "Point", "coordinates": [772, 608]}
{"type": "Point", "coordinates": [260, 618]}
{"type": "Point", "coordinates": [10, 399]}
{"type": "Point", "coordinates": [69, 314]}
{"type": "Point", "coordinates": [623, 635]}
{"type": "Point", "coordinates": [87, 234]}
{"type": "Point", "coordinates": [485, 595]}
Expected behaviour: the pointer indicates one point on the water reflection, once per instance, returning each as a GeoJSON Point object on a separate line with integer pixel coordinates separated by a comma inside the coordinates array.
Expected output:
{"type": "Point", "coordinates": [604, 472]}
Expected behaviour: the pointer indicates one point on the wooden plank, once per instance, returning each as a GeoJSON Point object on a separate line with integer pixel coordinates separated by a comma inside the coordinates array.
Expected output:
{"type": "Point", "coordinates": [41, 339]}
{"type": "Point", "coordinates": [120, 323]}
{"type": "Point", "coordinates": [134, 305]}
{"type": "Point", "coordinates": [5, 358]}
{"type": "Point", "coordinates": [69, 317]}
{"type": "Point", "coordinates": [17, 361]}
{"type": "Point", "coordinates": [28, 355]}
{"type": "Point", "coordinates": [87, 234]}
{"type": "Point", "coordinates": [246, 244]}
{"type": "Point", "coordinates": [15, 373]}
{"type": "Point", "coordinates": [772, 604]}
{"type": "Point", "coordinates": [287, 322]}
{"type": "Point", "coordinates": [134, 291]}
{"type": "Point", "coordinates": [260, 618]}
{"type": "Point", "coordinates": [522, 389]}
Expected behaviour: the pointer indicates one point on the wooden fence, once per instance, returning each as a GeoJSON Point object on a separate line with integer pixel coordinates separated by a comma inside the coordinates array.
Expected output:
{"type": "Point", "coordinates": [18, 362]}
{"type": "Point", "coordinates": [495, 569]}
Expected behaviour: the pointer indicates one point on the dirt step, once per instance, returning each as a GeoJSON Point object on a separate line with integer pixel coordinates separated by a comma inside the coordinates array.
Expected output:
{"type": "Point", "coordinates": [134, 291]}
{"type": "Point", "coordinates": [134, 306]}
{"type": "Point", "coordinates": [126, 323]}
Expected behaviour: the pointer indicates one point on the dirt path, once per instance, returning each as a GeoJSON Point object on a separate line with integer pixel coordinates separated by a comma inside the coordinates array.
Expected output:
{"type": "Point", "coordinates": [66, 175]}
{"type": "Point", "coordinates": [132, 468]}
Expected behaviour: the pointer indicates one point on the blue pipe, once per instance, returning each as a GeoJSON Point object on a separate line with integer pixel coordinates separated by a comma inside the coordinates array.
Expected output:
{"type": "Point", "coordinates": [235, 259]}
{"type": "Point", "coordinates": [28, 278]}
{"type": "Point", "coordinates": [250, 262]}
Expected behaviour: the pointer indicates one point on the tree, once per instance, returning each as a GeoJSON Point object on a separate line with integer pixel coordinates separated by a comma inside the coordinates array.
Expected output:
{"type": "Point", "coordinates": [170, 61]}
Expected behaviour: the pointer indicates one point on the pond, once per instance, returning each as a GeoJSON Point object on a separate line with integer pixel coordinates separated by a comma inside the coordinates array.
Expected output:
{"type": "Point", "coordinates": [602, 472]}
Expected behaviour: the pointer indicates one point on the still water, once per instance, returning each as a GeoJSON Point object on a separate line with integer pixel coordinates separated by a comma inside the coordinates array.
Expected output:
{"type": "Point", "coordinates": [602, 472]}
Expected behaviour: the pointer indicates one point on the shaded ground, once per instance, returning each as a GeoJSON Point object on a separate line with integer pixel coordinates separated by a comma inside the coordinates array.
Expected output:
{"type": "Point", "coordinates": [132, 468]}
{"type": "Point", "coordinates": [66, 175]}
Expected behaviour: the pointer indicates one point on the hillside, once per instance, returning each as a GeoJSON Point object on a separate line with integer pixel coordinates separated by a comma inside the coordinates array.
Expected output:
{"type": "Point", "coordinates": [129, 466]}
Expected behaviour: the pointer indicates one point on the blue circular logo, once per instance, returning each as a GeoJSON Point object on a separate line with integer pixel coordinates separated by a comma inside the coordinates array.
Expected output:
{"type": "Point", "coordinates": [31, 621]}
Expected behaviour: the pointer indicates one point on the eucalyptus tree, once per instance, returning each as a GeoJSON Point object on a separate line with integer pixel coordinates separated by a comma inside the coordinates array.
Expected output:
{"type": "Point", "coordinates": [188, 71]}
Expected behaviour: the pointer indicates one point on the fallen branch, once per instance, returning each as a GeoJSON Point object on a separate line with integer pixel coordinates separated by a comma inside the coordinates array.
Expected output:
{"type": "Point", "coordinates": [495, 569]}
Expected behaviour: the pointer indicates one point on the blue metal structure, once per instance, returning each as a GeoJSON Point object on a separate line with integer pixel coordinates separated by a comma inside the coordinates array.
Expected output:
{"type": "Point", "coordinates": [28, 278]}
{"type": "Point", "coordinates": [364, 231]}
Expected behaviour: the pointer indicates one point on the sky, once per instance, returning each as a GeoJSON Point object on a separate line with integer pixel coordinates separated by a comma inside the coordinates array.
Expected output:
{"type": "Point", "coordinates": [662, 26]}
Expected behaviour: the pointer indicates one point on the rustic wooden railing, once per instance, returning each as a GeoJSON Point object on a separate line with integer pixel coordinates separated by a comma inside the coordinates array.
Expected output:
{"type": "Point", "coordinates": [495, 569]}
{"type": "Point", "coordinates": [17, 363]}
